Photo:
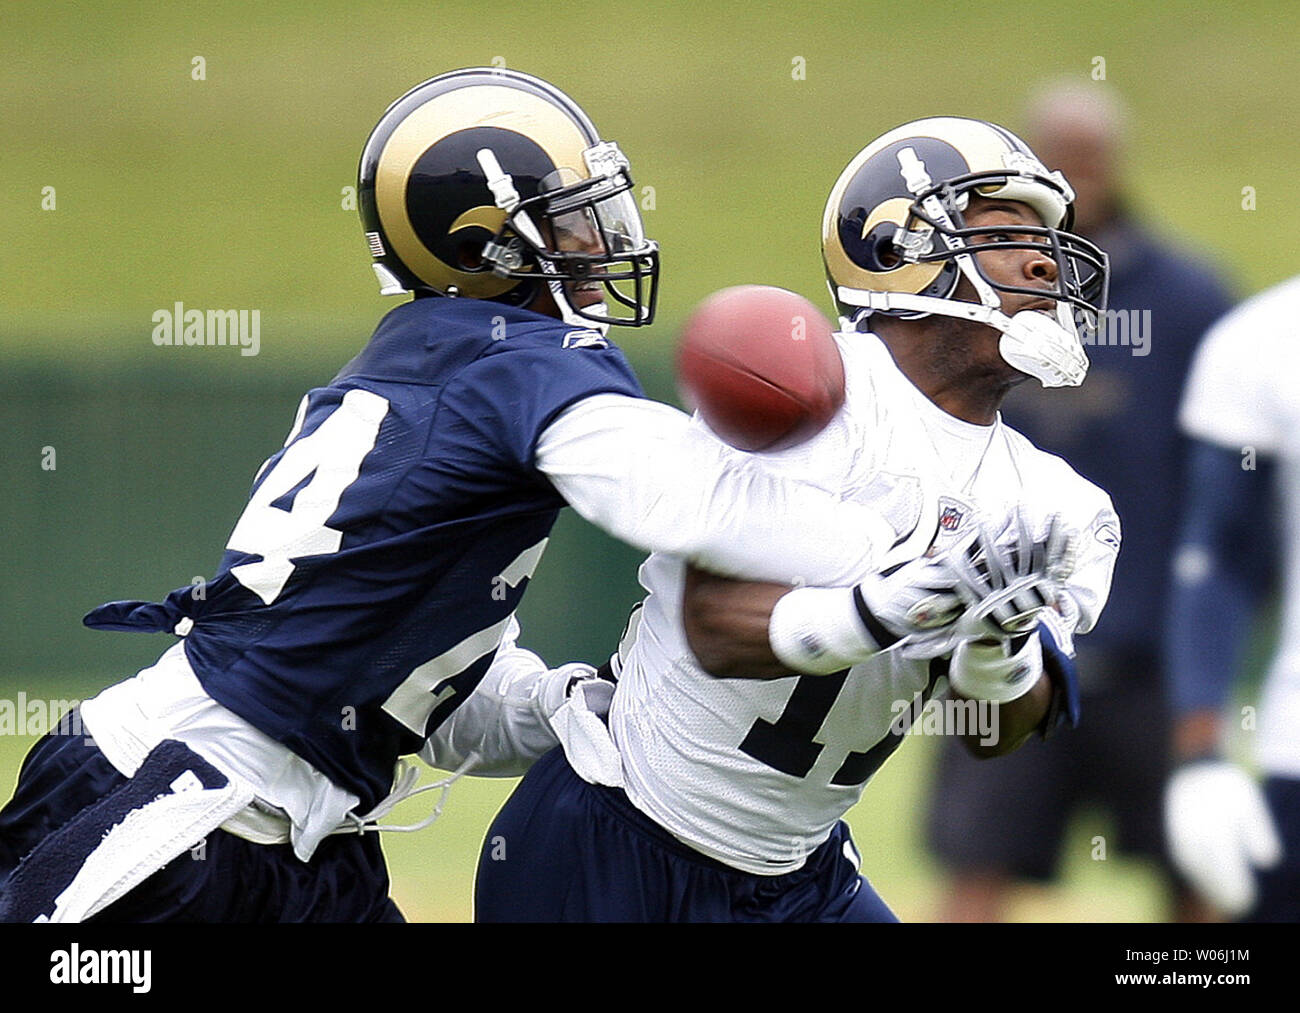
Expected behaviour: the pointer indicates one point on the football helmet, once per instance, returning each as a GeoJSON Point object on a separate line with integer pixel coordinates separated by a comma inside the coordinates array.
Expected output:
{"type": "Point", "coordinates": [487, 183]}
{"type": "Point", "coordinates": [894, 241]}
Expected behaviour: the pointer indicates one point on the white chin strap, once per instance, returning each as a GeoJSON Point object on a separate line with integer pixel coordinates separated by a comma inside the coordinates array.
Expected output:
{"type": "Point", "coordinates": [1047, 349]}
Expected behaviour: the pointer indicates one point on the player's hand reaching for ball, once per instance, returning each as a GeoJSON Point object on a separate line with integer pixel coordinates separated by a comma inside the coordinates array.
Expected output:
{"type": "Point", "coordinates": [980, 589]}
{"type": "Point", "coordinates": [1008, 580]}
{"type": "Point", "coordinates": [917, 598]}
{"type": "Point", "coordinates": [1005, 584]}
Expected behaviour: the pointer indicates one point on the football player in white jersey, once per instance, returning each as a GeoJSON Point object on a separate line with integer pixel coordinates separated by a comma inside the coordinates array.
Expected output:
{"type": "Point", "coordinates": [1238, 840]}
{"type": "Point", "coordinates": [749, 717]}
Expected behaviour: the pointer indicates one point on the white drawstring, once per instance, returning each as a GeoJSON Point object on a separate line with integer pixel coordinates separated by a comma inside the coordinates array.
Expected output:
{"type": "Point", "coordinates": [404, 788]}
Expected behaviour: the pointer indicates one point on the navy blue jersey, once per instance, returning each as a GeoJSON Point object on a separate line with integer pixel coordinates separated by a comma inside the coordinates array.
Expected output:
{"type": "Point", "coordinates": [365, 588]}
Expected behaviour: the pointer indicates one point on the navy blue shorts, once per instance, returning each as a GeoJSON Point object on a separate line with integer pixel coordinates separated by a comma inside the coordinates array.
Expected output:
{"type": "Point", "coordinates": [227, 879]}
{"type": "Point", "coordinates": [1011, 814]}
{"type": "Point", "coordinates": [563, 850]}
{"type": "Point", "coordinates": [1279, 887]}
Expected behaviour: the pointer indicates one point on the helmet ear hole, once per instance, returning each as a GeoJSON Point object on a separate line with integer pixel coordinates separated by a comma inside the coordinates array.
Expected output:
{"type": "Point", "coordinates": [469, 254]}
{"type": "Point", "coordinates": [879, 251]}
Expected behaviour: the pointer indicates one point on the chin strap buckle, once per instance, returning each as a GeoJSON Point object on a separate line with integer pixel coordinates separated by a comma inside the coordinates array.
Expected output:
{"type": "Point", "coordinates": [505, 258]}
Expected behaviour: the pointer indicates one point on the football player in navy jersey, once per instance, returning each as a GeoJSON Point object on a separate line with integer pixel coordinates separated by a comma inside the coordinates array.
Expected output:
{"type": "Point", "coordinates": [364, 607]}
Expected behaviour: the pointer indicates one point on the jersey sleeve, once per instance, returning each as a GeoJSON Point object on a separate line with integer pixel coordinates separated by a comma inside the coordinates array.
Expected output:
{"type": "Point", "coordinates": [1098, 550]}
{"type": "Point", "coordinates": [1219, 575]}
{"type": "Point", "coordinates": [505, 719]}
{"type": "Point", "coordinates": [643, 472]}
{"type": "Point", "coordinates": [1230, 399]}
{"type": "Point", "coordinates": [1092, 516]}
{"type": "Point", "coordinates": [509, 397]}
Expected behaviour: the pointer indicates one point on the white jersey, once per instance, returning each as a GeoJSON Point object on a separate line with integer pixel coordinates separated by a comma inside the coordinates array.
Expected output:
{"type": "Point", "coordinates": [1244, 393]}
{"type": "Point", "coordinates": [756, 773]}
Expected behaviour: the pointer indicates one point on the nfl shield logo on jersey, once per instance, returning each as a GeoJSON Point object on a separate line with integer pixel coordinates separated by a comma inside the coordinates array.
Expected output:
{"type": "Point", "coordinates": [954, 518]}
{"type": "Point", "coordinates": [950, 516]}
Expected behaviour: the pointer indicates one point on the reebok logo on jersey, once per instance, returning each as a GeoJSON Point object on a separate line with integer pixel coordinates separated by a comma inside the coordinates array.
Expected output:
{"type": "Point", "coordinates": [1017, 674]}
{"type": "Point", "coordinates": [1108, 535]}
{"type": "Point", "coordinates": [585, 339]}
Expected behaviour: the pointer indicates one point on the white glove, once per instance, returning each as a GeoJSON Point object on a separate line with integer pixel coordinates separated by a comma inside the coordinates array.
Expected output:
{"type": "Point", "coordinates": [1005, 583]}
{"type": "Point", "coordinates": [918, 596]}
{"type": "Point", "coordinates": [977, 587]}
{"type": "Point", "coordinates": [1008, 580]}
{"type": "Point", "coordinates": [820, 630]}
{"type": "Point", "coordinates": [1220, 830]}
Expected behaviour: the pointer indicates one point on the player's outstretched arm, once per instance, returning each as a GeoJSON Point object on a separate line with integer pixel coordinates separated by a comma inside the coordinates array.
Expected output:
{"type": "Point", "coordinates": [510, 719]}
{"type": "Point", "coordinates": [986, 604]}
{"type": "Point", "coordinates": [756, 630]}
{"type": "Point", "coordinates": [727, 625]}
{"type": "Point", "coordinates": [641, 471]}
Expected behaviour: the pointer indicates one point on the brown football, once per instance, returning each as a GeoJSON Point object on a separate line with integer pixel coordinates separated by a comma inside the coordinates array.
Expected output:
{"type": "Point", "coordinates": [761, 366]}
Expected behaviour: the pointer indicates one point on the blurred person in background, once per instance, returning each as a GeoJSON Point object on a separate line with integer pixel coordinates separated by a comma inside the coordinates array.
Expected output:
{"type": "Point", "coordinates": [1238, 841]}
{"type": "Point", "coordinates": [996, 825]}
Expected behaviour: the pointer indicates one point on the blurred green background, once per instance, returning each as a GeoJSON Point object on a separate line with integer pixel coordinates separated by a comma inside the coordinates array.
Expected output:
{"type": "Point", "coordinates": [228, 192]}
